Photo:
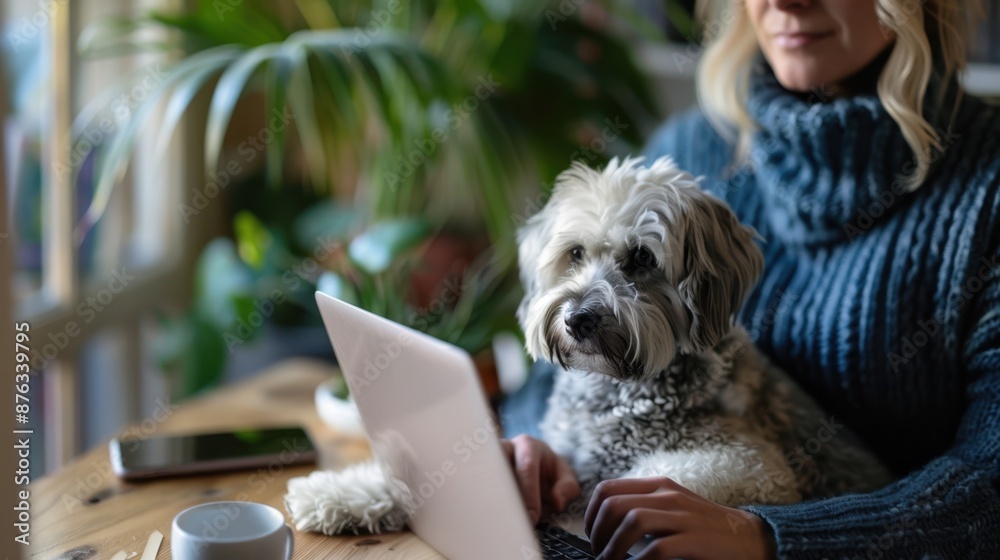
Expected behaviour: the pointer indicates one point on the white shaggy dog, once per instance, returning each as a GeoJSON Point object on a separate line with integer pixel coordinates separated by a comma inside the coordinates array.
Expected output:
{"type": "Point", "coordinates": [632, 276]}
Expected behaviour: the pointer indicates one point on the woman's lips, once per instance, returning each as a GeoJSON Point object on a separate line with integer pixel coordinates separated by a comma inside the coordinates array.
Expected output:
{"type": "Point", "coordinates": [798, 39]}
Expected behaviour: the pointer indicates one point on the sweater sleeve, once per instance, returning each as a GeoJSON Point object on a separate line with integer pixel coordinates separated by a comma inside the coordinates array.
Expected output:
{"type": "Point", "coordinates": [949, 508]}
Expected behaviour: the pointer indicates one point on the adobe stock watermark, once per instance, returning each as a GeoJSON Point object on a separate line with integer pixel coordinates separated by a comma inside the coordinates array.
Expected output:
{"type": "Point", "coordinates": [897, 528]}
{"type": "Point", "coordinates": [87, 485]}
{"type": "Point", "coordinates": [406, 165]}
{"type": "Point", "coordinates": [600, 143]}
{"type": "Point", "coordinates": [927, 329]}
{"type": "Point", "coordinates": [248, 150]}
{"type": "Point", "coordinates": [463, 450]}
{"type": "Point", "coordinates": [691, 53]}
{"type": "Point", "coordinates": [592, 150]}
{"type": "Point", "coordinates": [270, 473]}
{"type": "Point", "coordinates": [563, 11]}
{"type": "Point", "coordinates": [532, 205]}
{"type": "Point", "coordinates": [305, 273]}
{"type": "Point", "coordinates": [866, 218]}
{"type": "Point", "coordinates": [764, 148]}
{"type": "Point", "coordinates": [738, 173]}
{"type": "Point", "coordinates": [291, 449]}
{"type": "Point", "coordinates": [224, 7]}
{"type": "Point", "coordinates": [244, 328]}
{"type": "Point", "coordinates": [378, 21]}
{"type": "Point", "coordinates": [28, 28]}
{"type": "Point", "coordinates": [820, 94]}
{"type": "Point", "coordinates": [86, 312]}
{"type": "Point", "coordinates": [796, 459]}
{"type": "Point", "coordinates": [899, 15]}
{"type": "Point", "coordinates": [784, 303]}
{"type": "Point", "coordinates": [292, 279]}
{"type": "Point", "coordinates": [121, 111]}
{"type": "Point", "coordinates": [375, 365]}
{"type": "Point", "coordinates": [423, 486]}
{"type": "Point", "coordinates": [214, 528]}
{"type": "Point", "coordinates": [423, 318]}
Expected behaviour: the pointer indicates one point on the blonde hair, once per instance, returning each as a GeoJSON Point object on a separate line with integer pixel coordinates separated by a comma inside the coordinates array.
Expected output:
{"type": "Point", "coordinates": [928, 38]}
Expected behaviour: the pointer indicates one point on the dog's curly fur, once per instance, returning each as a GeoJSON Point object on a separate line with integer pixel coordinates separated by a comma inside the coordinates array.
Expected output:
{"type": "Point", "coordinates": [661, 382]}
{"type": "Point", "coordinates": [632, 276]}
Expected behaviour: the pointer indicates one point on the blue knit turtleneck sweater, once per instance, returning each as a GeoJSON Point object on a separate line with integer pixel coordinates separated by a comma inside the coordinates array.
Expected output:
{"type": "Point", "coordinates": [884, 304]}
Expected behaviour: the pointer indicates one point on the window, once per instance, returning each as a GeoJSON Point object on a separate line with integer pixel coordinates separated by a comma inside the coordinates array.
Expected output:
{"type": "Point", "coordinates": [89, 293]}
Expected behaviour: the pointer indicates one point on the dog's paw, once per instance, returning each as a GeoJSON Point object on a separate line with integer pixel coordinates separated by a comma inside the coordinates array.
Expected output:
{"type": "Point", "coordinates": [363, 498]}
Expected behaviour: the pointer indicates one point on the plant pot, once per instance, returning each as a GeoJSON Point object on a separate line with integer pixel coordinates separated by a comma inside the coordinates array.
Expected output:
{"type": "Point", "coordinates": [486, 368]}
{"type": "Point", "coordinates": [443, 261]}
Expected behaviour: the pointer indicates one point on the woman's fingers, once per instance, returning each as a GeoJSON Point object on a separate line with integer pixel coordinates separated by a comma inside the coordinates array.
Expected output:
{"type": "Point", "coordinates": [616, 510]}
{"type": "Point", "coordinates": [565, 487]}
{"type": "Point", "coordinates": [545, 480]}
{"type": "Point", "coordinates": [527, 466]}
{"type": "Point", "coordinates": [638, 523]}
{"type": "Point", "coordinates": [508, 450]}
{"type": "Point", "coordinates": [621, 486]}
{"type": "Point", "coordinates": [673, 546]}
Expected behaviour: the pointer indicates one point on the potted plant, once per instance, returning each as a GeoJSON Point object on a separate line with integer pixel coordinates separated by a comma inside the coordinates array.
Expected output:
{"type": "Point", "coordinates": [430, 124]}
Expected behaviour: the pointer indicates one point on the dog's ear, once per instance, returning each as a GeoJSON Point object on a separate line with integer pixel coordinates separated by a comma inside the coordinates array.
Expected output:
{"type": "Point", "coordinates": [531, 241]}
{"type": "Point", "coordinates": [721, 264]}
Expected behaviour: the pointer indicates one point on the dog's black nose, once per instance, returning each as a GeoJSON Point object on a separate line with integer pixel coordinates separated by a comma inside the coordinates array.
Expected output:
{"type": "Point", "coordinates": [582, 324]}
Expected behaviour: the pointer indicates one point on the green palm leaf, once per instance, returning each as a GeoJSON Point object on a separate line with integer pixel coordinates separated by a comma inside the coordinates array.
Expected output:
{"type": "Point", "coordinates": [114, 163]}
{"type": "Point", "coordinates": [227, 92]}
{"type": "Point", "coordinates": [183, 93]}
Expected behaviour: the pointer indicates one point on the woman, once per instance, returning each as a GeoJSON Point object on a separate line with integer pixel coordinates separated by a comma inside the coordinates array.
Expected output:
{"type": "Point", "coordinates": [836, 128]}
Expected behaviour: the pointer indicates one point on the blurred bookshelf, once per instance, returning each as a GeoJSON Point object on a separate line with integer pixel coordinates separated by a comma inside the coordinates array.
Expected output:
{"type": "Point", "coordinates": [983, 78]}
{"type": "Point", "coordinates": [985, 44]}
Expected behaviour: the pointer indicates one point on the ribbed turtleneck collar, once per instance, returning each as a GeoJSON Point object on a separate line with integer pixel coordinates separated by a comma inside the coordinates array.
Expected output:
{"type": "Point", "coordinates": [819, 160]}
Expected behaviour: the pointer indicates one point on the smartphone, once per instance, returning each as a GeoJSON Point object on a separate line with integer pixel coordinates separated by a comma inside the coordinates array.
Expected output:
{"type": "Point", "coordinates": [154, 457]}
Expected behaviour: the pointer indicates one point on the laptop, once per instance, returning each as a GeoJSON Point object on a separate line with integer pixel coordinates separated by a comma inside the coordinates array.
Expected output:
{"type": "Point", "coordinates": [427, 417]}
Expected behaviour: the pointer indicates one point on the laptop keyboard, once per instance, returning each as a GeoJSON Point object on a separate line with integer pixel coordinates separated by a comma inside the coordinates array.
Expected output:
{"type": "Point", "coordinates": [558, 543]}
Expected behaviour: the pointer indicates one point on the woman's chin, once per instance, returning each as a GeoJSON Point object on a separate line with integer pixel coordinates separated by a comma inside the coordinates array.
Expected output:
{"type": "Point", "coordinates": [801, 81]}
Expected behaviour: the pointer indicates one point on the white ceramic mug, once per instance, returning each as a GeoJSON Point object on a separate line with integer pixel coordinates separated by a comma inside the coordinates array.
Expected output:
{"type": "Point", "coordinates": [227, 530]}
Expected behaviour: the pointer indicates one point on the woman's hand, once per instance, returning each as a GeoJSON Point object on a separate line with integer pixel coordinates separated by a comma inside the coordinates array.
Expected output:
{"type": "Point", "coordinates": [681, 523]}
{"type": "Point", "coordinates": [547, 483]}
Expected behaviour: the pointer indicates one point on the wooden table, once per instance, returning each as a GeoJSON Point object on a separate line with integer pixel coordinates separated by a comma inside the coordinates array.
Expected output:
{"type": "Point", "coordinates": [83, 512]}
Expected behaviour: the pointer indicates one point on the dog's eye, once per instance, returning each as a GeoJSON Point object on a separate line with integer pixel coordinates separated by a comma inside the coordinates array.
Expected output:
{"type": "Point", "coordinates": [643, 258]}
{"type": "Point", "coordinates": [576, 254]}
